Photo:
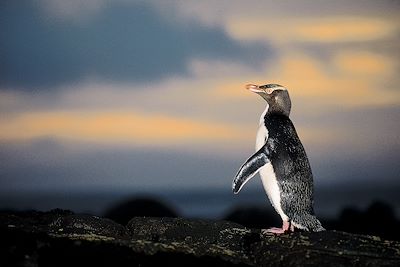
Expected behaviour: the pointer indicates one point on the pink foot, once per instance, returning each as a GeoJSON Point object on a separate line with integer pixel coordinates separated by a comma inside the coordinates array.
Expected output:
{"type": "Point", "coordinates": [273, 230]}
{"type": "Point", "coordinates": [286, 227]}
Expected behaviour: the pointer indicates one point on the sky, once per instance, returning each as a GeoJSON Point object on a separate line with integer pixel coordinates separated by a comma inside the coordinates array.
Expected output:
{"type": "Point", "coordinates": [146, 95]}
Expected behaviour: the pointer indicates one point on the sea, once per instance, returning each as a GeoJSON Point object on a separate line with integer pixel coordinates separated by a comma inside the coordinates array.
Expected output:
{"type": "Point", "coordinates": [197, 203]}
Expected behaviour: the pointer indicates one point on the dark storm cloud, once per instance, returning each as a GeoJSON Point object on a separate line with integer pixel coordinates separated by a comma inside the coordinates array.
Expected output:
{"type": "Point", "coordinates": [123, 42]}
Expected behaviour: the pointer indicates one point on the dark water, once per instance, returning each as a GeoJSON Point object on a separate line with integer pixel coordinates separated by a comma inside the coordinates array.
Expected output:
{"type": "Point", "coordinates": [200, 203]}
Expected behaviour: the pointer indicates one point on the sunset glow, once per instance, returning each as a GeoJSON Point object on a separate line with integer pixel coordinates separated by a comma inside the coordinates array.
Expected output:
{"type": "Point", "coordinates": [163, 77]}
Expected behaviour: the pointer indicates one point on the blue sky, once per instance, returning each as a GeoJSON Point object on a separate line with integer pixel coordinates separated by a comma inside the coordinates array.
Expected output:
{"type": "Point", "coordinates": [150, 94]}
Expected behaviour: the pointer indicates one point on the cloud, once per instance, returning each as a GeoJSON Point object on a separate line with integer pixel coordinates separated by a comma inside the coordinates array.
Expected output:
{"type": "Point", "coordinates": [73, 9]}
{"type": "Point", "coordinates": [211, 106]}
{"type": "Point", "coordinates": [366, 131]}
{"type": "Point", "coordinates": [342, 29]}
{"type": "Point", "coordinates": [349, 78]}
{"type": "Point", "coordinates": [212, 91]}
{"type": "Point", "coordinates": [362, 63]}
{"type": "Point", "coordinates": [114, 128]}
{"type": "Point", "coordinates": [123, 42]}
{"type": "Point", "coordinates": [320, 30]}
{"type": "Point", "coordinates": [307, 77]}
{"type": "Point", "coordinates": [210, 12]}
{"type": "Point", "coordinates": [344, 102]}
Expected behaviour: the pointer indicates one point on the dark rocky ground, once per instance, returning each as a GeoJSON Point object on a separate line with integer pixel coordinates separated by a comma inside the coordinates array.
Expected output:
{"type": "Point", "coordinates": [62, 238]}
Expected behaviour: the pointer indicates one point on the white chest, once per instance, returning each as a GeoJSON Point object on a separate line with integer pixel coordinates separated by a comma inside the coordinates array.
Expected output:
{"type": "Point", "coordinates": [271, 187]}
{"type": "Point", "coordinates": [267, 173]}
{"type": "Point", "coordinates": [262, 133]}
{"type": "Point", "coordinates": [262, 136]}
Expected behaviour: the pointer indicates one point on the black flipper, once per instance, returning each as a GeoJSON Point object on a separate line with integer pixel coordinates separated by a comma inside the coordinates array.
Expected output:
{"type": "Point", "coordinates": [250, 168]}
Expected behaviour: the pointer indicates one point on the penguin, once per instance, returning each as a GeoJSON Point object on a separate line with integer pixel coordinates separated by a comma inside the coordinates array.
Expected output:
{"type": "Point", "coordinates": [282, 162]}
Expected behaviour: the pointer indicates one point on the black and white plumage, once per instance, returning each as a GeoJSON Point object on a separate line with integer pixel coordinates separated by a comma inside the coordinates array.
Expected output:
{"type": "Point", "coordinates": [282, 162]}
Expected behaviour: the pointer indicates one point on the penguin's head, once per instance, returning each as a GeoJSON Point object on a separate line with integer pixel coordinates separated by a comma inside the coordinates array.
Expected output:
{"type": "Point", "coordinates": [276, 96]}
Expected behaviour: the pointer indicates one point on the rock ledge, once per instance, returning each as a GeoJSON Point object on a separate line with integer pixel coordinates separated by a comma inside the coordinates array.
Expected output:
{"type": "Point", "coordinates": [62, 238]}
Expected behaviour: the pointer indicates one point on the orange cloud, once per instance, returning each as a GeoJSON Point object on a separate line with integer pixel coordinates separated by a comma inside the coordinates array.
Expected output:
{"type": "Point", "coordinates": [114, 128]}
{"type": "Point", "coordinates": [327, 29]}
{"type": "Point", "coordinates": [343, 29]}
{"type": "Point", "coordinates": [363, 63]}
{"type": "Point", "coordinates": [307, 77]}
{"type": "Point", "coordinates": [350, 80]}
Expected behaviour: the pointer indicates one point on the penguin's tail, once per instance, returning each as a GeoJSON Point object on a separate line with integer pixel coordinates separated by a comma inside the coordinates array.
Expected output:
{"type": "Point", "coordinates": [308, 222]}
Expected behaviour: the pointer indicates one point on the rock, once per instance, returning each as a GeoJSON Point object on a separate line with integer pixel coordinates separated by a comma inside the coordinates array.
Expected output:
{"type": "Point", "coordinates": [226, 240]}
{"type": "Point", "coordinates": [88, 225]}
{"type": "Point", "coordinates": [328, 248]}
{"type": "Point", "coordinates": [61, 238]}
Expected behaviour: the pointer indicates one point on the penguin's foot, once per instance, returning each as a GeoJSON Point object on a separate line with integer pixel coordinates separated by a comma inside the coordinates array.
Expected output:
{"type": "Point", "coordinates": [286, 227]}
{"type": "Point", "coordinates": [273, 230]}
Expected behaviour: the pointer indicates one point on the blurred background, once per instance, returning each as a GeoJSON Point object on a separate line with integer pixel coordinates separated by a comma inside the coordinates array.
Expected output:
{"type": "Point", "coordinates": [103, 102]}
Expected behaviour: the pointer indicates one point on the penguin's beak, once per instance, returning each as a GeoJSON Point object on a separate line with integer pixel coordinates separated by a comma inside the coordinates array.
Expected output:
{"type": "Point", "coordinates": [254, 88]}
{"type": "Point", "coordinates": [257, 89]}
